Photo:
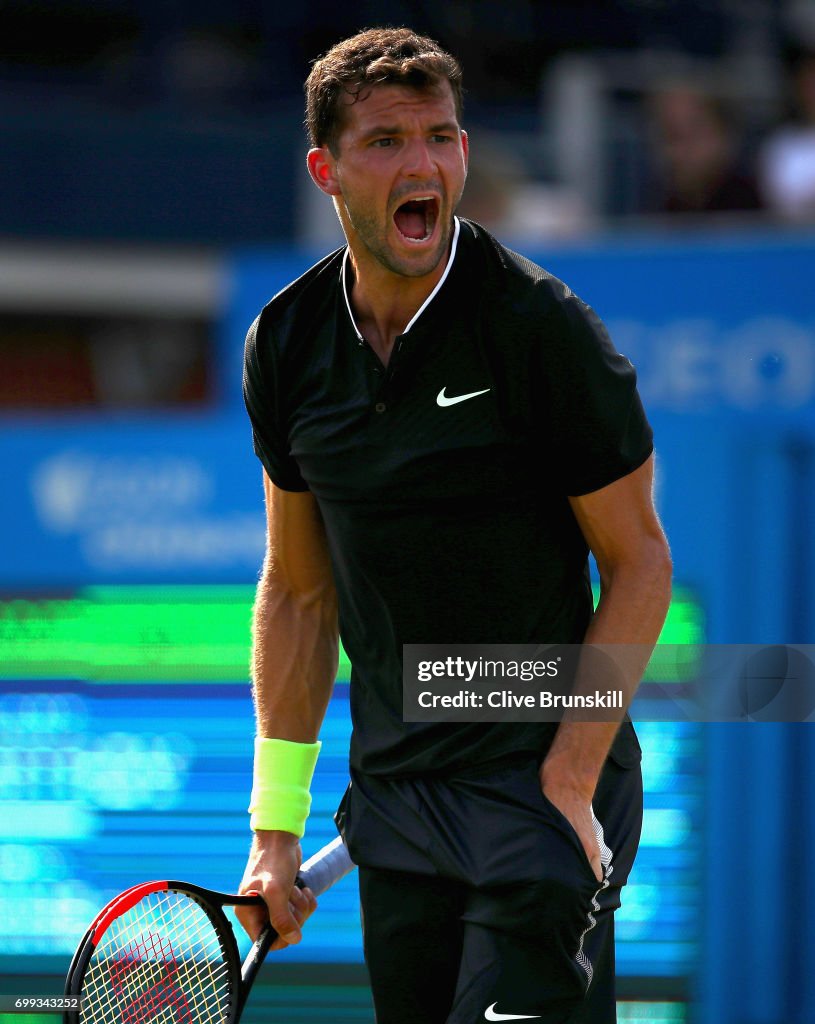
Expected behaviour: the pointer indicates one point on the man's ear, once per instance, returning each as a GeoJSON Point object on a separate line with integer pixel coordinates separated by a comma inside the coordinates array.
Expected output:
{"type": "Point", "coordinates": [322, 168]}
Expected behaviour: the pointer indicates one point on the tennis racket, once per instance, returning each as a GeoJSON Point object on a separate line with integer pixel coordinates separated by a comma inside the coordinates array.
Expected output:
{"type": "Point", "coordinates": [165, 952]}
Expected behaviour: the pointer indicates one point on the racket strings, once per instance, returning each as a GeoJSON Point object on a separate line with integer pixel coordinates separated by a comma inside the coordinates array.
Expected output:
{"type": "Point", "coordinates": [162, 962]}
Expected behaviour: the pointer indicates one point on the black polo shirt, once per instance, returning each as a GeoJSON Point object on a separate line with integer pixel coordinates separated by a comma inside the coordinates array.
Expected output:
{"type": "Point", "coordinates": [447, 516]}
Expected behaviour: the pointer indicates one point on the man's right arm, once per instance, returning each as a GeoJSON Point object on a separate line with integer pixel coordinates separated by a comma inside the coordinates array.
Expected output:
{"type": "Point", "coordinates": [294, 664]}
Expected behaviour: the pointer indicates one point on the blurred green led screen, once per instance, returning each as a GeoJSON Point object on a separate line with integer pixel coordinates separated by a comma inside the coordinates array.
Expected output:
{"type": "Point", "coordinates": [126, 754]}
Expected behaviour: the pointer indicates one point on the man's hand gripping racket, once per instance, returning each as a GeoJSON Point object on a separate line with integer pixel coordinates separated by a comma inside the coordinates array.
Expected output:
{"type": "Point", "coordinates": [166, 950]}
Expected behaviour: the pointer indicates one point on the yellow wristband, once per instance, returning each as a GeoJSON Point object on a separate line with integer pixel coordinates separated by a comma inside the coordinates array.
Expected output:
{"type": "Point", "coordinates": [280, 789]}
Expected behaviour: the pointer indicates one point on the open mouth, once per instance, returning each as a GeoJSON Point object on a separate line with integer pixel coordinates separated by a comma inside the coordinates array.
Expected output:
{"type": "Point", "coordinates": [417, 218]}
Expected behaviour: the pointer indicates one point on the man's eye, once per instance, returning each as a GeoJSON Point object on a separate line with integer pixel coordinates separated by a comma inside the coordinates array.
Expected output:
{"type": "Point", "coordinates": [442, 138]}
{"type": "Point", "coordinates": [382, 143]}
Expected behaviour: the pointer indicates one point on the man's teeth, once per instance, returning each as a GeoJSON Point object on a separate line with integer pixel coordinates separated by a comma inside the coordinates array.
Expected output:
{"type": "Point", "coordinates": [429, 218]}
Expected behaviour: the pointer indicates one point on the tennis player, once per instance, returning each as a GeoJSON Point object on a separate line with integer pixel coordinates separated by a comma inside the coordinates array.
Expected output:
{"type": "Point", "coordinates": [446, 431]}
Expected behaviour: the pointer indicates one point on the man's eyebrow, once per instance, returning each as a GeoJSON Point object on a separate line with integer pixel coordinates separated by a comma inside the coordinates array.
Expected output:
{"type": "Point", "coordinates": [382, 129]}
{"type": "Point", "coordinates": [393, 129]}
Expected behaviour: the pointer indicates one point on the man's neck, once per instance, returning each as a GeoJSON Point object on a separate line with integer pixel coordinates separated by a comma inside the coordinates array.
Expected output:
{"type": "Point", "coordinates": [383, 302]}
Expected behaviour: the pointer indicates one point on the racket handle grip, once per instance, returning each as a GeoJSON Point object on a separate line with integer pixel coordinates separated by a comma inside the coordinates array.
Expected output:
{"type": "Point", "coordinates": [326, 867]}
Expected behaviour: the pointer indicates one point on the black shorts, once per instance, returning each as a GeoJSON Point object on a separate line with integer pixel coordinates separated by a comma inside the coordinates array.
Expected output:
{"type": "Point", "coordinates": [478, 899]}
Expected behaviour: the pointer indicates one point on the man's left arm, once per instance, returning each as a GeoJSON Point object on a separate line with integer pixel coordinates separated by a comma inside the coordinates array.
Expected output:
{"type": "Point", "coordinates": [621, 527]}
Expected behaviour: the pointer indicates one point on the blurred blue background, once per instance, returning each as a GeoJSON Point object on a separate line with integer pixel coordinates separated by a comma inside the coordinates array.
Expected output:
{"type": "Point", "coordinates": [658, 156]}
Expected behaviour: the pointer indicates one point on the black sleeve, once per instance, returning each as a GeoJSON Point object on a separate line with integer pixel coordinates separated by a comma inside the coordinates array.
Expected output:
{"type": "Point", "coordinates": [599, 430]}
{"type": "Point", "coordinates": [262, 390]}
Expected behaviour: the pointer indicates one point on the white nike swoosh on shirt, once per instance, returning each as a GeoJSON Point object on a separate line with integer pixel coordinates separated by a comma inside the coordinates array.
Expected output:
{"type": "Point", "coordinates": [492, 1014]}
{"type": "Point", "coordinates": [444, 401]}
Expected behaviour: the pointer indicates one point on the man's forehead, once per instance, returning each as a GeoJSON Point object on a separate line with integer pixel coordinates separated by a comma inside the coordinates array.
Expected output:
{"type": "Point", "coordinates": [377, 102]}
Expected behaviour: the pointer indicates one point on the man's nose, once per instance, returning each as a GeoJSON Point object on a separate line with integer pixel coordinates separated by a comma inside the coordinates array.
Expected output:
{"type": "Point", "coordinates": [418, 158]}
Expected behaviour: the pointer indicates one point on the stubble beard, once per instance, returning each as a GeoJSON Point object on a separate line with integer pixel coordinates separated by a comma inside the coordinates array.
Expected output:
{"type": "Point", "coordinates": [373, 237]}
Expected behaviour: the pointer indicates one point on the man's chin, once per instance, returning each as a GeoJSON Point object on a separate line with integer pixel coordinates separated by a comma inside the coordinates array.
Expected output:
{"type": "Point", "coordinates": [420, 261]}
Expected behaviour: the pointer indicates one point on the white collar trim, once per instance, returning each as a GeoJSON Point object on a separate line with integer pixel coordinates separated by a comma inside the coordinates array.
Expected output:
{"type": "Point", "coordinates": [427, 301]}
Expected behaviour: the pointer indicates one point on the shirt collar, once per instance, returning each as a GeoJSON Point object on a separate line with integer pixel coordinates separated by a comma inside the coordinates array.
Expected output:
{"type": "Point", "coordinates": [427, 301]}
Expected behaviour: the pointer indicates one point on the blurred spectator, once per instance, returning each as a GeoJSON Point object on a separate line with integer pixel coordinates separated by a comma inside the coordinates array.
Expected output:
{"type": "Point", "coordinates": [788, 155]}
{"type": "Point", "coordinates": [696, 152]}
{"type": "Point", "coordinates": [502, 196]}
{"type": "Point", "coordinates": [70, 361]}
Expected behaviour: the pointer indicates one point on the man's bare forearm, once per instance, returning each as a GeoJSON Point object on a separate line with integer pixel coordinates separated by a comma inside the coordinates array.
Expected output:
{"type": "Point", "coordinates": [294, 662]}
{"type": "Point", "coordinates": [294, 656]}
{"type": "Point", "coordinates": [633, 604]}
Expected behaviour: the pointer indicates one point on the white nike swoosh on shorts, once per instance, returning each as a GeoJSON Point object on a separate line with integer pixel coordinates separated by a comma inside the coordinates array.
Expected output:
{"type": "Point", "coordinates": [492, 1014]}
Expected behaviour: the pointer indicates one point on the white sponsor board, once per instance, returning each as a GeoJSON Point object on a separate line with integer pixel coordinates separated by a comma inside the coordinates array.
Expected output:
{"type": "Point", "coordinates": [151, 511]}
{"type": "Point", "coordinates": [696, 364]}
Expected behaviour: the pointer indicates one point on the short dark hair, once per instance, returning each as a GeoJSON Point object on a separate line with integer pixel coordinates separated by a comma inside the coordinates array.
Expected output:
{"type": "Point", "coordinates": [375, 56]}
